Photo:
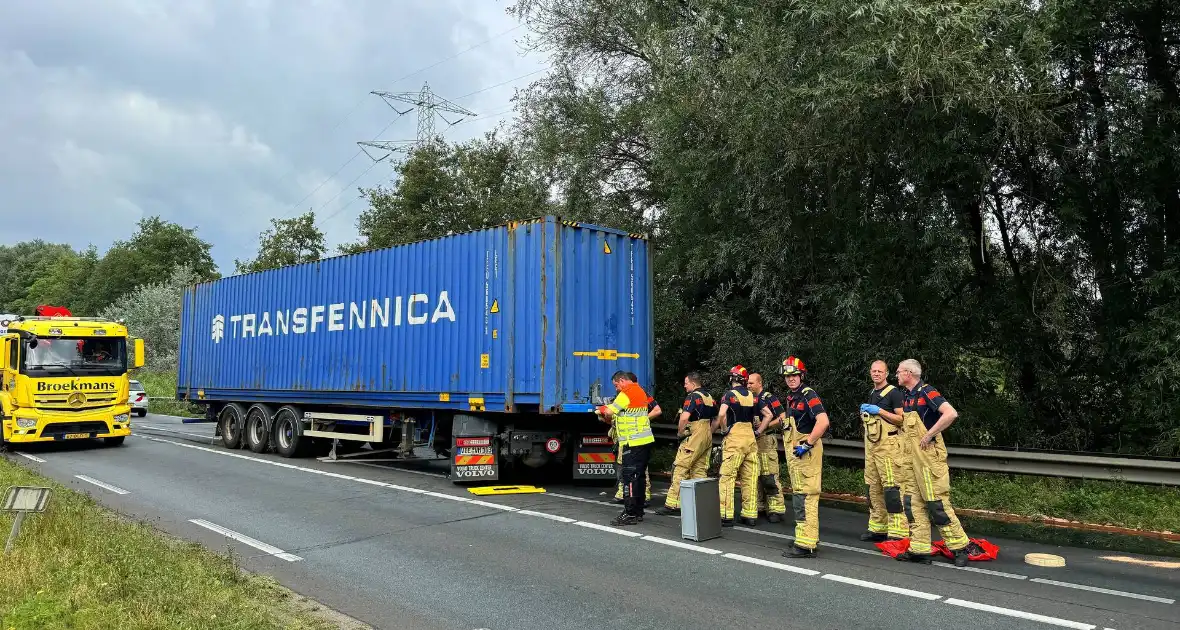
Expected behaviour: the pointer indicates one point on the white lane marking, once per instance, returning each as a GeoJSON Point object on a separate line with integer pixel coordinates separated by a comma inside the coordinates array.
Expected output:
{"type": "Point", "coordinates": [492, 505]}
{"type": "Point", "coordinates": [596, 526]}
{"type": "Point", "coordinates": [605, 528]}
{"type": "Point", "coordinates": [27, 456]}
{"type": "Point", "coordinates": [211, 438]}
{"type": "Point", "coordinates": [380, 467]}
{"type": "Point", "coordinates": [552, 517]}
{"type": "Point", "coordinates": [882, 587]}
{"type": "Point", "coordinates": [822, 544]}
{"type": "Point", "coordinates": [246, 540]}
{"type": "Point", "coordinates": [1107, 591]}
{"type": "Point", "coordinates": [1020, 614]}
{"type": "Point", "coordinates": [1014, 576]}
{"type": "Point", "coordinates": [106, 486]}
{"type": "Point", "coordinates": [682, 545]}
{"type": "Point", "coordinates": [573, 498]}
{"type": "Point", "coordinates": [449, 497]}
{"type": "Point", "coordinates": [773, 565]}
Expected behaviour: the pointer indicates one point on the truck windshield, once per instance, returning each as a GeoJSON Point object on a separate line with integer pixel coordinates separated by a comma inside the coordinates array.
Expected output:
{"type": "Point", "coordinates": [72, 356]}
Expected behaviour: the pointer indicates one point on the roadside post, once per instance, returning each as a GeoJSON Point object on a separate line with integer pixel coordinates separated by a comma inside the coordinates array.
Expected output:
{"type": "Point", "coordinates": [22, 500]}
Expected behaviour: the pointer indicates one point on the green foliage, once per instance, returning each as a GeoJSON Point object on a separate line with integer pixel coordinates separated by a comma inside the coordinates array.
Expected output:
{"type": "Point", "coordinates": [987, 187]}
{"type": "Point", "coordinates": [152, 313]}
{"type": "Point", "coordinates": [162, 384]}
{"type": "Point", "coordinates": [445, 189]}
{"type": "Point", "coordinates": [150, 255]}
{"type": "Point", "coordinates": [79, 566]}
{"type": "Point", "coordinates": [286, 242]}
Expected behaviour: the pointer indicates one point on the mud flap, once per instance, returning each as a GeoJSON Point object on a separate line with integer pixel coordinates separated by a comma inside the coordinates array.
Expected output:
{"type": "Point", "coordinates": [893, 500]}
{"type": "Point", "coordinates": [594, 458]}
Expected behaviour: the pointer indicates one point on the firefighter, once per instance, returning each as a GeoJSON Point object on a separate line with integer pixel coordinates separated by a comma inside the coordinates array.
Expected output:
{"type": "Point", "coordinates": [926, 414]}
{"type": "Point", "coordinates": [696, 440]}
{"type": "Point", "coordinates": [739, 448]}
{"type": "Point", "coordinates": [770, 488]}
{"type": "Point", "coordinates": [807, 422]}
{"type": "Point", "coordinates": [628, 412]}
{"type": "Point", "coordinates": [653, 412]}
{"type": "Point", "coordinates": [887, 470]}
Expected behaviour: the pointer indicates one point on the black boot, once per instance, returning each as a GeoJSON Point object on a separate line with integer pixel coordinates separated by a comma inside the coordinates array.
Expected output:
{"type": "Point", "coordinates": [961, 558]}
{"type": "Point", "coordinates": [909, 556]}
{"type": "Point", "coordinates": [626, 519]}
{"type": "Point", "coordinates": [727, 522]}
{"type": "Point", "coordinates": [668, 511]}
{"type": "Point", "coordinates": [774, 517]}
{"type": "Point", "coordinates": [873, 537]}
{"type": "Point", "coordinates": [751, 522]}
{"type": "Point", "coordinates": [799, 552]}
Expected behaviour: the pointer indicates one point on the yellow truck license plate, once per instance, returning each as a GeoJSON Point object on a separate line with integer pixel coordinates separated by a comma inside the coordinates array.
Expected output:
{"type": "Point", "coordinates": [71, 436]}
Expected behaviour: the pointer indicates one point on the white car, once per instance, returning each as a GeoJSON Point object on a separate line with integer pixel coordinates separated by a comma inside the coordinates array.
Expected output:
{"type": "Point", "coordinates": [138, 398]}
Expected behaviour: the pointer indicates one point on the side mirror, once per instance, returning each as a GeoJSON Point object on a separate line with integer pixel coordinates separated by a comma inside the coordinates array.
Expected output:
{"type": "Point", "coordinates": [137, 361]}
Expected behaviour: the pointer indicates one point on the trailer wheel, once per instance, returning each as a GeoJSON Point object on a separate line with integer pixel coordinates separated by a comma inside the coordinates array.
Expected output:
{"type": "Point", "coordinates": [232, 421]}
{"type": "Point", "coordinates": [257, 432]}
{"type": "Point", "coordinates": [288, 433]}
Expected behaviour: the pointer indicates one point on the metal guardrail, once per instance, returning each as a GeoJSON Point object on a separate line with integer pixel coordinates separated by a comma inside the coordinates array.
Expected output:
{"type": "Point", "coordinates": [1044, 464]}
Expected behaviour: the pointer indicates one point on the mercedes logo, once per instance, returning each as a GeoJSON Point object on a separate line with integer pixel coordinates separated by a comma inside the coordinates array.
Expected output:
{"type": "Point", "coordinates": [76, 399]}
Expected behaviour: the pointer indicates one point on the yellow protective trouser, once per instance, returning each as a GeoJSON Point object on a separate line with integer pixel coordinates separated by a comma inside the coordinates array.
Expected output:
{"type": "Point", "coordinates": [806, 481]}
{"type": "Point", "coordinates": [692, 459]}
{"type": "Point", "coordinates": [767, 466]}
{"type": "Point", "coordinates": [619, 483]}
{"type": "Point", "coordinates": [930, 489]}
{"type": "Point", "coordinates": [887, 472]}
{"type": "Point", "coordinates": [739, 458]}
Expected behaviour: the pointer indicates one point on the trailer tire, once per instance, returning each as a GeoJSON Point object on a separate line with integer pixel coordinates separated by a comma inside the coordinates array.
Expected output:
{"type": "Point", "coordinates": [232, 421]}
{"type": "Point", "coordinates": [287, 429]}
{"type": "Point", "coordinates": [257, 433]}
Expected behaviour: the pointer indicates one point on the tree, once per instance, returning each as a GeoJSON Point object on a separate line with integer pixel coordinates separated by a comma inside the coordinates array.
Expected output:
{"type": "Point", "coordinates": [149, 256]}
{"type": "Point", "coordinates": [37, 272]}
{"type": "Point", "coordinates": [988, 187]}
{"type": "Point", "coordinates": [152, 313]}
{"type": "Point", "coordinates": [63, 282]}
{"type": "Point", "coordinates": [445, 189]}
{"type": "Point", "coordinates": [286, 242]}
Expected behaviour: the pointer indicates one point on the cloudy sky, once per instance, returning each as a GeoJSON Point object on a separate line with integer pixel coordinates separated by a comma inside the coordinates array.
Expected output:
{"type": "Point", "coordinates": [221, 114]}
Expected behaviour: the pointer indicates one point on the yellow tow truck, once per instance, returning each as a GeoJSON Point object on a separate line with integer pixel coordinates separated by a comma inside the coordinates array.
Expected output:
{"type": "Point", "coordinates": [65, 377]}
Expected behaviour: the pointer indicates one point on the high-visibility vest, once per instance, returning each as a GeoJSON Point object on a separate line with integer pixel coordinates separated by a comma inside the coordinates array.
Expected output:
{"type": "Point", "coordinates": [631, 422]}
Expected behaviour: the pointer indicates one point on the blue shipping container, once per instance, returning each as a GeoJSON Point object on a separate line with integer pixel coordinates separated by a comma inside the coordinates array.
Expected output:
{"type": "Point", "coordinates": [525, 317]}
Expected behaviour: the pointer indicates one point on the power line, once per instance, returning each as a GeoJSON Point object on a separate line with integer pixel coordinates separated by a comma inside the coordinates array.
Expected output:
{"type": "Point", "coordinates": [395, 82]}
{"type": "Point", "coordinates": [346, 187]}
{"type": "Point", "coordinates": [492, 87]}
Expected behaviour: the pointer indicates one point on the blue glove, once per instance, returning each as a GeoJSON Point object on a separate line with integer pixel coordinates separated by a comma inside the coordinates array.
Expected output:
{"type": "Point", "coordinates": [802, 449]}
{"type": "Point", "coordinates": [863, 406]}
{"type": "Point", "coordinates": [870, 409]}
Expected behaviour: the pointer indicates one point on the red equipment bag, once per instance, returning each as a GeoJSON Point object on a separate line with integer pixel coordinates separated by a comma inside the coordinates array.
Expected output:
{"type": "Point", "coordinates": [894, 548]}
{"type": "Point", "coordinates": [982, 550]}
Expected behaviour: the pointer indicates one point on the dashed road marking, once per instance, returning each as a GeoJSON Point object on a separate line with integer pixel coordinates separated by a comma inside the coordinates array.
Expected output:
{"type": "Point", "coordinates": [100, 484]}
{"type": "Point", "coordinates": [552, 517]}
{"type": "Point", "coordinates": [246, 540]}
{"type": "Point", "coordinates": [670, 542]}
{"type": "Point", "coordinates": [1020, 614]}
{"type": "Point", "coordinates": [1014, 576]}
{"type": "Point", "coordinates": [1106, 591]}
{"type": "Point", "coordinates": [607, 528]}
{"type": "Point", "coordinates": [888, 588]}
{"type": "Point", "coordinates": [32, 457]}
{"type": "Point", "coordinates": [773, 565]}
{"type": "Point", "coordinates": [682, 545]}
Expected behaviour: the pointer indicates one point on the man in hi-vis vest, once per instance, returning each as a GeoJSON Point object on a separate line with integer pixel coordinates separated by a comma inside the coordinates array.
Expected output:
{"type": "Point", "coordinates": [628, 413]}
{"type": "Point", "coordinates": [887, 468]}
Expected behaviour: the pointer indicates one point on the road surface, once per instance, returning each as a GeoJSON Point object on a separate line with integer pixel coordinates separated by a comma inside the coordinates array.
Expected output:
{"type": "Point", "coordinates": [400, 547]}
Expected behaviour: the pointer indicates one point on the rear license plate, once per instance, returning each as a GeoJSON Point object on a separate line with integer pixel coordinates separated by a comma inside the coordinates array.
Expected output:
{"type": "Point", "coordinates": [74, 436]}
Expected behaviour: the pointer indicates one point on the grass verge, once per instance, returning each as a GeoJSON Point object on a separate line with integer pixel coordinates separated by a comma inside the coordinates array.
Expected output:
{"type": "Point", "coordinates": [78, 565]}
{"type": "Point", "coordinates": [163, 384]}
